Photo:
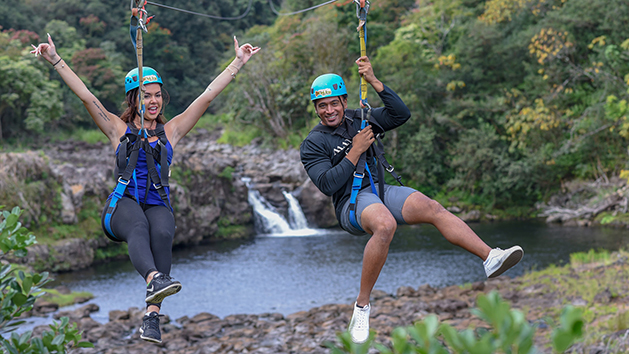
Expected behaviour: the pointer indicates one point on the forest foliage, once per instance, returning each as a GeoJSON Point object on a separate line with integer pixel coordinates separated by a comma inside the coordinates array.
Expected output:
{"type": "Point", "coordinates": [509, 98]}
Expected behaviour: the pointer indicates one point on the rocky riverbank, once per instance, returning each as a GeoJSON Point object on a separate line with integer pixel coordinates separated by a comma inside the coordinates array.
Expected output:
{"type": "Point", "coordinates": [589, 203]}
{"type": "Point", "coordinates": [601, 289]}
{"type": "Point", "coordinates": [63, 187]}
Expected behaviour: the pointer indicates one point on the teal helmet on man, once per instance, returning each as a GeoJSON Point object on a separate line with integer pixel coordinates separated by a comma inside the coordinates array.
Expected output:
{"type": "Point", "coordinates": [327, 85]}
{"type": "Point", "coordinates": [150, 76]}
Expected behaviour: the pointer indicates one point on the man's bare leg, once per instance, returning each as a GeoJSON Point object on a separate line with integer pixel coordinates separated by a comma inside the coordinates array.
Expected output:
{"type": "Point", "coordinates": [377, 221]}
{"type": "Point", "coordinates": [419, 209]}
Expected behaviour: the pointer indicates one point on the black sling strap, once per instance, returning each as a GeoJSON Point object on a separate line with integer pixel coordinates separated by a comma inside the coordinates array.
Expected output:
{"type": "Point", "coordinates": [128, 154]}
{"type": "Point", "coordinates": [376, 150]}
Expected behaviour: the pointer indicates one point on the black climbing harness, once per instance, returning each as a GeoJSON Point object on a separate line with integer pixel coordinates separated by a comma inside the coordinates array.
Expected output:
{"type": "Point", "coordinates": [375, 153]}
{"type": "Point", "coordinates": [126, 160]}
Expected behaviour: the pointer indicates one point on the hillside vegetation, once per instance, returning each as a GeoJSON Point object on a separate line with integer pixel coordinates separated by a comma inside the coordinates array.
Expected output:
{"type": "Point", "coordinates": [510, 98]}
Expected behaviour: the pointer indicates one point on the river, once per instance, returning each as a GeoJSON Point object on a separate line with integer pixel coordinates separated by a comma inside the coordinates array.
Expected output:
{"type": "Point", "coordinates": [287, 273]}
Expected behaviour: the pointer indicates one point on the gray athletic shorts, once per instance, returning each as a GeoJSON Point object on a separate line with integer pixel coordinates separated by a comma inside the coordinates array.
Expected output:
{"type": "Point", "coordinates": [394, 198]}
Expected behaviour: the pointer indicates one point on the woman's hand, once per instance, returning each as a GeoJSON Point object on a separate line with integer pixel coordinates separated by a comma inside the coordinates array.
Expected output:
{"type": "Point", "coordinates": [47, 50]}
{"type": "Point", "coordinates": [244, 52]}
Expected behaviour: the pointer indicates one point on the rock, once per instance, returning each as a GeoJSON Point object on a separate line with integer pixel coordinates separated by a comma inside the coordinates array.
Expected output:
{"type": "Point", "coordinates": [405, 291]}
{"type": "Point", "coordinates": [81, 312]}
{"type": "Point", "coordinates": [454, 209]}
{"type": "Point", "coordinates": [471, 216]}
{"type": "Point", "coordinates": [117, 315]}
{"type": "Point", "coordinates": [68, 214]}
{"type": "Point", "coordinates": [317, 207]}
{"type": "Point", "coordinates": [425, 290]}
{"type": "Point", "coordinates": [42, 307]}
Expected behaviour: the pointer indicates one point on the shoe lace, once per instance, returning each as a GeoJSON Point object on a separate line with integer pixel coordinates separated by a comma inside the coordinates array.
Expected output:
{"type": "Point", "coordinates": [163, 278]}
{"type": "Point", "coordinates": [152, 322]}
{"type": "Point", "coordinates": [362, 319]}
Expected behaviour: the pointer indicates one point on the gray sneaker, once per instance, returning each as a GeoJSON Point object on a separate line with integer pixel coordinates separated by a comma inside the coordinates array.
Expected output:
{"type": "Point", "coordinates": [359, 324]}
{"type": "Point", "coordinates": [499, 261]}
{"type": "Point", "coordinates": [161, 286]}
{"type": "Point", "coordinates": [149, 331]}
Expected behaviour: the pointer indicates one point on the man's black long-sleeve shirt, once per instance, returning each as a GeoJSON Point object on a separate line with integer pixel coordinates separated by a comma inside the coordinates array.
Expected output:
{"type": "Point", "coordinates": [323, 154]}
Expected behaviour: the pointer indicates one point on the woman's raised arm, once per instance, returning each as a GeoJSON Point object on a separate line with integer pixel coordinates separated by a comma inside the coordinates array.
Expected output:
{"type": "Point", "coordinates": [109, 123]}
{"type": "Point", "coordinates": [179, 126]}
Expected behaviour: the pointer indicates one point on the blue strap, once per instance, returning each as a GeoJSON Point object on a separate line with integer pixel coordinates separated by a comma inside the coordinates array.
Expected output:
{"type": "Point", "coordinates": [356, 186]}
{"type": "Point", "coordinates": [118, 193]}
{"type": "Point", "coordinates": [358, 182]}
{"type": "Point", "coordinates": [373, 186]}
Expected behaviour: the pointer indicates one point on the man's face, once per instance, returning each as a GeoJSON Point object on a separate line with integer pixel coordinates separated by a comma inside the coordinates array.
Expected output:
{"type": "Point", "coordinates": [331, 110]}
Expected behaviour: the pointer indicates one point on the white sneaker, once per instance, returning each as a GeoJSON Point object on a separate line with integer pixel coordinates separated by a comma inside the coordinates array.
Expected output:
{"type": "Point", "coordinates": [500, 260]}
{"type": "Point", "coordinates": [359, 325]}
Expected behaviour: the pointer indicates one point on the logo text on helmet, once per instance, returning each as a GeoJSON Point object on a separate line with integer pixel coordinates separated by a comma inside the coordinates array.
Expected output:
{"type": "Point", "coordinates": [149, 78]}
{"type": "Point", "coordinates": [323, 92]}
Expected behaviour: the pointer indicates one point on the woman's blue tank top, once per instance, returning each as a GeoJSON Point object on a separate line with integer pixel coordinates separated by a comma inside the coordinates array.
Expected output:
{"type": "Point", "coordinates": [141, 174]}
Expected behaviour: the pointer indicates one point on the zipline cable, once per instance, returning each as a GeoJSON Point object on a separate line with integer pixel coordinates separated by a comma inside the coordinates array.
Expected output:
{"type": "Point", "coordinates": [300, 11]}
{"type": "Point", "coordinates": [205, 15]}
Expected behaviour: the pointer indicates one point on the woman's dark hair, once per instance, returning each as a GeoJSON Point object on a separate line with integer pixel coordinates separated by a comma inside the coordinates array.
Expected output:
{"type": "Point", "coordinates": [130, 103]}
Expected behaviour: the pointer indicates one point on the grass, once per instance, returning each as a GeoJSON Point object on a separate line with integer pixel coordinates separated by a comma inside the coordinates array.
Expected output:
{"type": "Point", "coordinates": [88, 226]}
{"type": "Point", "coordinates": [612, 218]}
{"type": "Point", "coordinates": [91, 136]}
{"type": "Point", "coordinates": [239, 136]}
{"type": "Point", "coordinates": [211, 122]}
{"type": "Point", "coordinates": [233, 232]}
{"type": "Point", "coordinates": [62, 300]}
{"type": "Point", "coordinates": [591, 256]}
{"type": "Point", "coordinates": [594, 277]}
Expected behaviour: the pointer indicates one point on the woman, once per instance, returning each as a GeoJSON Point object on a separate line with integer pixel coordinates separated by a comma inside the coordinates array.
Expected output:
{"type": "Point", "coordinates": [144, 219]}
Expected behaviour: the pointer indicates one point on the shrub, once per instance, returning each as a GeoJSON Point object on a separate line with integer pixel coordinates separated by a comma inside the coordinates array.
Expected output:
{"type": "Point", "coordinates": [18, 292]}
{"type": "Point", "coordinates": [510, 332]}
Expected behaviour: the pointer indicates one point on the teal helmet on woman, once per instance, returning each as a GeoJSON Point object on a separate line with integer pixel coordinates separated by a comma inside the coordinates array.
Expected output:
{"type": "Point", "coordinates": [327, 85]}
{"type": "Point", "coordinates": [150, 76]}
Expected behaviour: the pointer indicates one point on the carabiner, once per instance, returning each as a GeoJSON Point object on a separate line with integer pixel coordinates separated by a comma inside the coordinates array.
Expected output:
{"type": "Point", "coordinates": [362, 5]}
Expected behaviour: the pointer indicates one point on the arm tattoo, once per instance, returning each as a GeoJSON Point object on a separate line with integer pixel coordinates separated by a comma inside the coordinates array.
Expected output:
{"type": "Point", "coordinates": [101, 113]}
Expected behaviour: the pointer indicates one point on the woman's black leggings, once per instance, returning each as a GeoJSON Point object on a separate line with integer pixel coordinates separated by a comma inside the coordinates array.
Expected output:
{"type": "Point", "coordinates": [148, 232]}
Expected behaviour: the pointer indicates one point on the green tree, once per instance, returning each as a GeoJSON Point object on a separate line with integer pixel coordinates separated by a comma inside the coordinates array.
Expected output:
{"type": "Point", "coordinates": [28, 99]}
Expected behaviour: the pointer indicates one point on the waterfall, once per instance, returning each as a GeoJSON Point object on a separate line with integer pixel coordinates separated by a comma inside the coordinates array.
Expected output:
{"type": "Point", "coordinates": [296, 216]}
{"type": "Point", "coordinates": [269, 221]}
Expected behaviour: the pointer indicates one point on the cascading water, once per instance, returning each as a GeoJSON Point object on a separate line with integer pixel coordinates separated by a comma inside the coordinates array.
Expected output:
{"type": "Point", "coordinates": [268, 221]}
{"type": "Point", "coordinates": [296, 216]}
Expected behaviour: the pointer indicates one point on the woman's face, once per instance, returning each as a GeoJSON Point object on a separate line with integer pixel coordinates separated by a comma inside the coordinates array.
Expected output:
{"type": "Point", "coordinates": [152, 100]}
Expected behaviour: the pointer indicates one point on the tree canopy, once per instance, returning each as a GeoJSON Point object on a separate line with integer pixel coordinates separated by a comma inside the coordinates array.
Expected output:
{"type": "Point", "coordinates": [509, 98]}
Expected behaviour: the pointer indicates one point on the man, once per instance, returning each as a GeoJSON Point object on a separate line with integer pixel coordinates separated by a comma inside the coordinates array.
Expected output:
{"type": "Point", "coordinates": [331, 153]}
